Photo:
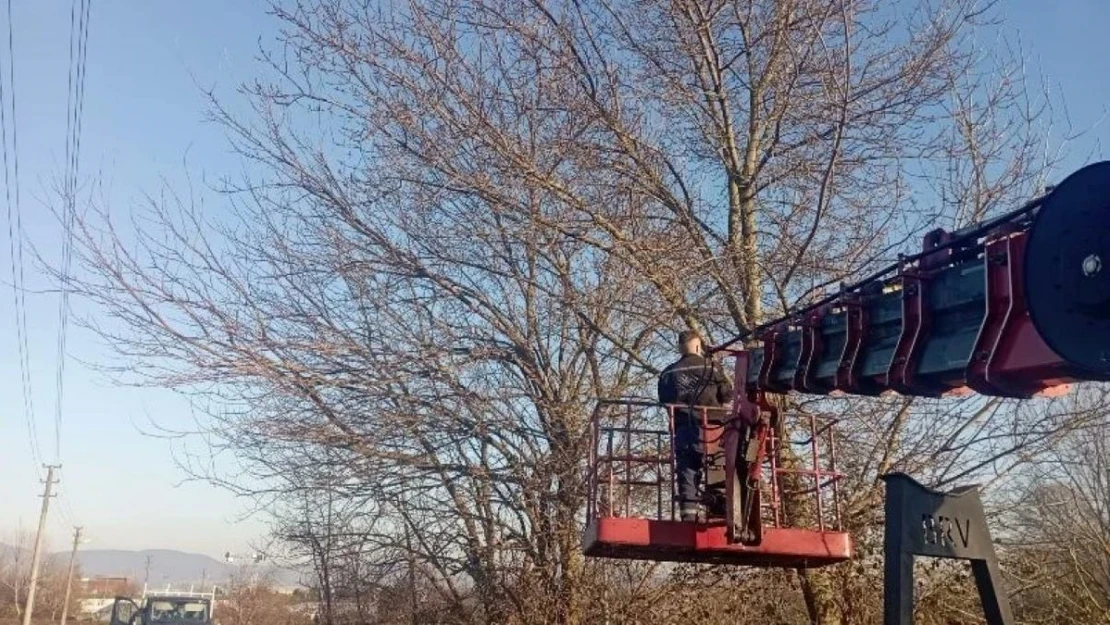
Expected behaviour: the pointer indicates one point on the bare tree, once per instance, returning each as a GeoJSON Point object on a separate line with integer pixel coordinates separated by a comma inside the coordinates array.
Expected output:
{"type": "Point", "coordinates": [1060, 549]}
{"type": "Point", "coordinates": [463, 222]}
{"type": "Point", "coordinates": [15, 572]}
{"type": "Point", "coordinates": [252, 600]}
{"type": "Point", "coordinates": [15, 577]}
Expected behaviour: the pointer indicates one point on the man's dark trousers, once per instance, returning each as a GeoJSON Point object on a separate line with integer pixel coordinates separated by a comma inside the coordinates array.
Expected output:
{"type": "Point", "coordinates": [689, 455]}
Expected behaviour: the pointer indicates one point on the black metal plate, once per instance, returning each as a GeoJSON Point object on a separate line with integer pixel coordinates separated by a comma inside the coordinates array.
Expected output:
{"type": "Point", "coordinates": [1067, 269]}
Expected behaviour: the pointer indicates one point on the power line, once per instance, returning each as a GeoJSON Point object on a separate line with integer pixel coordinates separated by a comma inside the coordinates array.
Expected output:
{"type": "Point", "coordinates": [15, 243]}
{"type": "Point", "coordinates": [68, 517]}
{"type": "Point", "coordinates": [78, 51]}
{"type": "Point", "coordinates": [67, 509]}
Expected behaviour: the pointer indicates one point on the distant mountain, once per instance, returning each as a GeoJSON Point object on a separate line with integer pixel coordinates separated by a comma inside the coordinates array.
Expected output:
{"type": "Point", "coordinates": [166, 566]}
{"type": "Point", "coordinates": [175, 568]}
{"type": "Point", "coordinates": [6, 552]}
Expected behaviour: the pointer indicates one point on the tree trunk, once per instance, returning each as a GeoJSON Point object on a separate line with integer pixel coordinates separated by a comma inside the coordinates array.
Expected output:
{"type": "Point", "coordinates": [819, 591]}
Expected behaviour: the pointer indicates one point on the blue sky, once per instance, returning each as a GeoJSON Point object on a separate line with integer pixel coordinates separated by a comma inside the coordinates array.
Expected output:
{"type": "Point", "coordinates": [143, 117]}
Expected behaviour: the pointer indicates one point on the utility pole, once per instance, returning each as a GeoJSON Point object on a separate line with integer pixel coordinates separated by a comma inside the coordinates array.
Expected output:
{"type": "Point", "coordinates": [69, 578]}
{"type": "Point", "coordinates": [146, 575]}
{"type": "Point", "coordinates": [48, 492]}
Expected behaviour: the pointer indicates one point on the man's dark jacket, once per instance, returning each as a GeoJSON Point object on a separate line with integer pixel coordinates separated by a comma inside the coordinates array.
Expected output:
{"type": "Point", "coordinates": [694, 380]}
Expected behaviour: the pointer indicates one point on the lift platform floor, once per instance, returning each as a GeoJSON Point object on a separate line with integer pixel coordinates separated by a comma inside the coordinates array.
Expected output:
{"type": "Point", "coordinates": [676, 541]}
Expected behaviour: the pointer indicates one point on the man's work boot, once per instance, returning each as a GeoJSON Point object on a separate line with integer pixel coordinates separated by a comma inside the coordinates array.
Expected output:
{"type": "Point", "coordinates": [689, 512]}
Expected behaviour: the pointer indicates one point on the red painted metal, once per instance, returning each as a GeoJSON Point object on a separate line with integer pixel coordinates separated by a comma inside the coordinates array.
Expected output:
{"type": "Point", "coordinates": [1012, 358]}
{"type": "Point", "coordinates": [816, 474]}
{"type": "Point", "coordinates": [1009, 358]}
{"type": "Point", "coordinates": [742, 406]}
{"type": "Point", "coordinates": [772, 358]}
{"type": "Point", "coordinates": [847, 373]}
{"type": "Point", "coordinates": [745, 414]}
{"type": "Point", "coordinates": [999, 308]}
{"type": "Point", "coordinates": [916, 325]}
{"type": "Point", "coordinates": [813, 345]}
{"type": "Point", "coordinates": [805, 355]}
{"type": "Point", "coordinates": [773, 460]}
{"type": "Point", "coordinates": [673, 541]}
{"type": "Point", "coordinates": [734, 465]}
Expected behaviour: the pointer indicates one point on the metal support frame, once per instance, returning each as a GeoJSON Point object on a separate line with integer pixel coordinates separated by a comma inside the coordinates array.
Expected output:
{"type": "Point", "coordinates": [925, 522]}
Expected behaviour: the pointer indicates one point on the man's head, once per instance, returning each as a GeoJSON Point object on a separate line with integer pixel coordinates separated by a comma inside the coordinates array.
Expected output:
{"type": "Point", "coordinates": [689, 342]}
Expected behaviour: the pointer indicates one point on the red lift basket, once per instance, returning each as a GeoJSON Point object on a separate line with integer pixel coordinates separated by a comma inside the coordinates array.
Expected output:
{"type": "Point", "coordinates": [632, 505]}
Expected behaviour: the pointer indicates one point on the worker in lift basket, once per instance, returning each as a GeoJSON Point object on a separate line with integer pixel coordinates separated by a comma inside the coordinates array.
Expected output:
{"type": "Point", "coordinates": [690, 383]}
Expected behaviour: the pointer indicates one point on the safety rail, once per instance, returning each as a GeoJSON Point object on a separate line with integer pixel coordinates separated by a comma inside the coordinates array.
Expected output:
{"type": "Point", "coordinates": [631, 469]}
{"type": "Point", "coordinates": [822, 480]}
{"type": "Point", "coordinates": [617, 454]}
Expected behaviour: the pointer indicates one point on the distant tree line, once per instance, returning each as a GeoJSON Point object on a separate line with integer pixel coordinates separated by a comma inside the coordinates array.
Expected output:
{"type": "Point", "coordinates": [15, 579]}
